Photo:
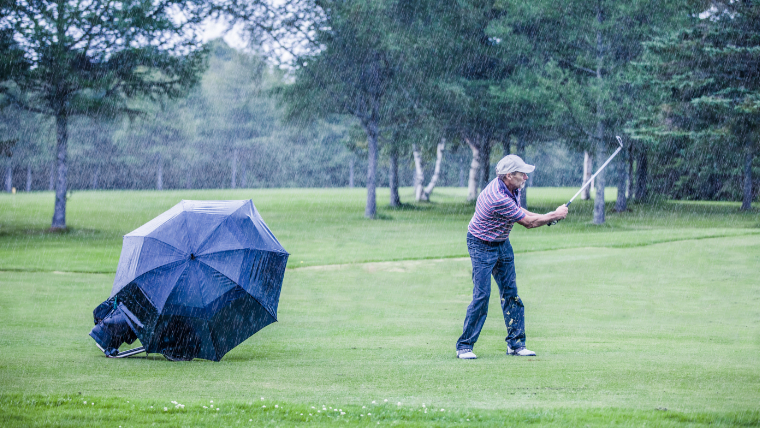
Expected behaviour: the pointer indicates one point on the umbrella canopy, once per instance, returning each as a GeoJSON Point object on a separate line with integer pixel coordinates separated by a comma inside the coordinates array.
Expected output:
{"type": "Point", "coordinates": [200, 278]}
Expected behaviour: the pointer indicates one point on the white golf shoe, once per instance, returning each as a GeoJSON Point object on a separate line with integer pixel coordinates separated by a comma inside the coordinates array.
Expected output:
{"type": "Point", "coordinates": [520, 352]}
{"type": "Point", "coordinates": [466, 354]}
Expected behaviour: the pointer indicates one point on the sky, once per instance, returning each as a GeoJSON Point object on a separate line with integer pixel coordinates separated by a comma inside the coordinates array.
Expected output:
{"type": "Point", "coordinates": [233, 35]}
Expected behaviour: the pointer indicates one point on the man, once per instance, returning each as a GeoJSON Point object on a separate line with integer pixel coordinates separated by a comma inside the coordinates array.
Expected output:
{"type": "Point", "coordinates": [497, 209]}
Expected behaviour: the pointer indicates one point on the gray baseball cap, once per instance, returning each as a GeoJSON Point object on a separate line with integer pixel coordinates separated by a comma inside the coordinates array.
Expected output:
{"type": "Point", "coordinates": [512, 163]}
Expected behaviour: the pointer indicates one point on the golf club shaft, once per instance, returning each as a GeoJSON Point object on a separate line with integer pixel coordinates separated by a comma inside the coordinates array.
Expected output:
{"type": "Point", "coordinates": [620, 141]}
{"type": "Point", "coordinates": [593, 176]}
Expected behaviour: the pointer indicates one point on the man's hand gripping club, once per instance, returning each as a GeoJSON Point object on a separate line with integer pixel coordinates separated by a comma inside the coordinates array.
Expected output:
{"type": "Point", "coordinates": [532, 220]}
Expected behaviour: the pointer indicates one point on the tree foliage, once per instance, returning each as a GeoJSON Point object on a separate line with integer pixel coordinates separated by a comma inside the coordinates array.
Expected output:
{"type": "Point", "coordinates": [374, 81]}
{"type": "Point", "coordinates": [708, 114]}
{"type": "Point", "coordinates": [92, 57]}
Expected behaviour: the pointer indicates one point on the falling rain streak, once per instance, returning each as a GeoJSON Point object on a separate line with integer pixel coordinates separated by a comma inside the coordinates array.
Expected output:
{"type": "Point", "coordinates": [376, 94]}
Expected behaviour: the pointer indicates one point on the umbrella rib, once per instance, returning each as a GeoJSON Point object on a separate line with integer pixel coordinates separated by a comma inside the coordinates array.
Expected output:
{"type": "Point", "coordinates": [220, 273]}
{"type": "Point", "coordinates": [198, 250]}
{"type": "Point", "coordinates": [253, 215]}
{"type": "Point", "coordinates": [164, 242]}
{"type": "Point", "coordinates": [184, 220]}
{"type": "Point", "coordinates": [157, 267]}
{"type": "Point", "coordinates": [236, 283]}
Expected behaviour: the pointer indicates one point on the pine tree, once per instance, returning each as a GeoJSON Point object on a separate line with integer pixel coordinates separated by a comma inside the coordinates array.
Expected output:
{"type": "Point", "coordinates": [588, 48]}
{"type": "Point", "coordinates": [708, 75]}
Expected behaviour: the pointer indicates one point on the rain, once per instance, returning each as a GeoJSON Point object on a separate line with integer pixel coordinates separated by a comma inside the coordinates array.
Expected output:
{"type": "Point", "coordinates": [374, 145]}
{"type": "Point", "coordinates": [336, 95]}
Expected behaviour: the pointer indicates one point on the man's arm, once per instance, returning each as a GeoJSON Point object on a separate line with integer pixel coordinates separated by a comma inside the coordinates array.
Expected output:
{"type": "Point", "coordinates": [532, 220]}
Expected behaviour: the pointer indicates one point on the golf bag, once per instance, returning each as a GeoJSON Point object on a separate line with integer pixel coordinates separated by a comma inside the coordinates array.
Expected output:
{"type": "Point", "coordinates": [112, 328]}
{"type": "Point", "coordinates": [115, 324]}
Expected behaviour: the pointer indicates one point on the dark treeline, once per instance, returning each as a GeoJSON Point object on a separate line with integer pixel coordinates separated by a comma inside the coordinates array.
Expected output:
{"type": "Point", "coordinates": [382, 93]}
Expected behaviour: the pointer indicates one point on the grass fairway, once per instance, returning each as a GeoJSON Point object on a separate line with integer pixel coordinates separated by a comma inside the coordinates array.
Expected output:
{"type": "Point", "coordinates": [659, 309]}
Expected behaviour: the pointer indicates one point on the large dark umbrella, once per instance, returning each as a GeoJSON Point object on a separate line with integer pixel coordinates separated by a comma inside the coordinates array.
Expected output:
{"type": "Point", "coordinates": [200, 279]}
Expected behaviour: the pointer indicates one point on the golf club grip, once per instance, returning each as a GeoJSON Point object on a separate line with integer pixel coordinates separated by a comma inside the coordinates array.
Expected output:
{"type": "Point", "coordinates": [557, 221]}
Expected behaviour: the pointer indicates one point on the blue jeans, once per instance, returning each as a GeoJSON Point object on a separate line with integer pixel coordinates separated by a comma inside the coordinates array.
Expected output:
{"type": "Point", "coordinates": [497, 259]}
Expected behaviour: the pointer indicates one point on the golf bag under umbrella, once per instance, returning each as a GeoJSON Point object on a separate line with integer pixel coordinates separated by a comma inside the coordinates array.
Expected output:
{"type": "Point", "coordinates": [116, 325]}
{"type": "Point", "coordinates": [195, 282]}
{"type": "Point", "coordinates": [112, 328]}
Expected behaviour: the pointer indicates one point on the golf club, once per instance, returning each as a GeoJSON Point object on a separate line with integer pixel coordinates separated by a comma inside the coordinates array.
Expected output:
{"type": "Point", "coordinates": [620, 141]}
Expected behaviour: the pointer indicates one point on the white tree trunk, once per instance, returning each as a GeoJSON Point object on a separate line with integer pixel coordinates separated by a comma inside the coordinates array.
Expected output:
{"type": "Point", "coordinates": [524, 190]}
{"type": "Point", "coordinates": [373, 132]}
{"type": "Point", "coordinates": [395, 200]}
{"type": "Point", "coordinates": [472, 184]}
{"type": "Point", "coordinates": [351, 163]}
{"type": "Point", "coordinates": [600, 112]}
{"type": "Point", "coordinates": [588, 164]}
{"type": "Point", "coordinates": [749, 156]}
{"type": "Point", "coordinates": [8, 178]}
{"type": "Point", "coordinates": [419, 175]}
{"type": "Point", "coordinates": [160, 174]}
{"type": "Point", "coordinates": [62, 169]}
{"type": "Point", "coordinates": [436, 172]}
{"type": "Point", "coordinates": [95, 178]}
{"type": "Point", "coordinates": [51, 185]}
{"type": "Point", "coordinates": [233, 181]}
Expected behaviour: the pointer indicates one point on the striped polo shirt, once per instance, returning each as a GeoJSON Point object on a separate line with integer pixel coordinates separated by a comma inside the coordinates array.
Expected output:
{"type": "Point", "coordinates": [496, 211]}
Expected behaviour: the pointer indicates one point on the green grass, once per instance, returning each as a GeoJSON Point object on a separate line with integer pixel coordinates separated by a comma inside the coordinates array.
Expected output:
{"type": "Point", "coordinates": [326, 226]}
{"type": "Point", "coordinates": [658, 309]}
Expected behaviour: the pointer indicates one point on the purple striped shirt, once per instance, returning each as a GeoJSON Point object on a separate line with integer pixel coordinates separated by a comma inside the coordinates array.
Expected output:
{"type": "Point", "coordinates": [496, 211]}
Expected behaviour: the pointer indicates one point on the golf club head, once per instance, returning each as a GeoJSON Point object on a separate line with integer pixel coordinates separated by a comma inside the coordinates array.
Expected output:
{"type": "Point", "coordinates": [619, 140]}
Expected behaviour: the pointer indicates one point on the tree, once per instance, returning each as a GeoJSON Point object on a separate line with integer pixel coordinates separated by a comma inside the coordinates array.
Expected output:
{"type": "Point", "coordinates": [587, 48]}
{"type": "Point", "coordinates": [492, 91]}
{"type": "Point", "coordinates": [94, 57]}
{"type": "Point", "coordinates": [526, 96]}
{"type": "Point", "coordinates": [232, 107]}
{"type": "Point", "coordinates": [414, 119]}
{"type": "Point", "coordinates": [458, 65]}
{"type": "Point", "coordinates": [422, 192]}
{"type": "Point", "coordinates": [708, 75]}
{"type": "Point", "coordinates": [469, 105]}
{"type": "Point", "coordinates": [346, 70]}
{"type": "Point", "coordinates": [29, 134]}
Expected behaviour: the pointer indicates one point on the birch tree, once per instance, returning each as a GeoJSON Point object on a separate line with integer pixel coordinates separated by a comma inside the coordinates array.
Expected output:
{"type": "Point", "coordinates": [422, 192]}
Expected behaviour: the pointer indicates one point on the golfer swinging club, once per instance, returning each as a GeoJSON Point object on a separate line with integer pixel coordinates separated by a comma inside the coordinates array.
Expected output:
{"type": "Point", "coordinates": [497, 209]}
